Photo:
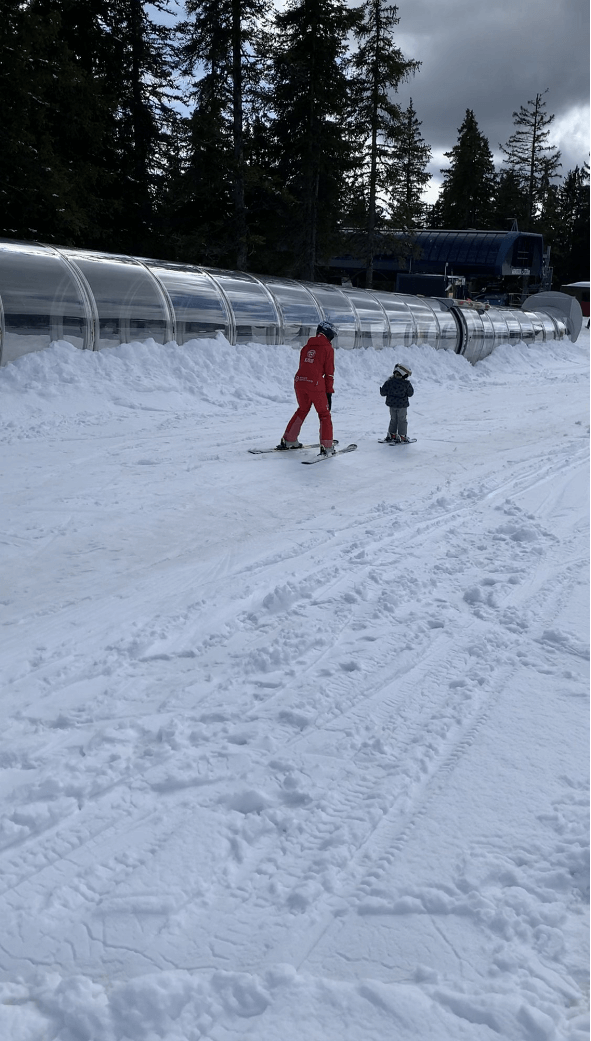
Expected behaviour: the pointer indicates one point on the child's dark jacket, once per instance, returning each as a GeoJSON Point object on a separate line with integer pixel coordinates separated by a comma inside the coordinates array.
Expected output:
{"type": "Point", "coordinates": [397, 392]}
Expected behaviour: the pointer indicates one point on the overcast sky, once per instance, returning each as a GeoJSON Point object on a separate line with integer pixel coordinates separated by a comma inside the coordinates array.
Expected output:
{"type": "Point", "coordinates": [493, 56]}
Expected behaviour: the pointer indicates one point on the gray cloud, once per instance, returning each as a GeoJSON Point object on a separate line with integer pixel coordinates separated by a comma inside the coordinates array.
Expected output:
{"type": "Point", "coordinates": [493, 57]}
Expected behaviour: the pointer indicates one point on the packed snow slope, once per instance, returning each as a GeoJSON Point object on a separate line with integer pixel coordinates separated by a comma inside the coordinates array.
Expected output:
{"type": "Point", "coordinates": [293, 754]}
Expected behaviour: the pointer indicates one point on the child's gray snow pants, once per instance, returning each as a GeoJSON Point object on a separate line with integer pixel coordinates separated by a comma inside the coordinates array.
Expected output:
{"type": "Point", "coordinates": [398, 424]}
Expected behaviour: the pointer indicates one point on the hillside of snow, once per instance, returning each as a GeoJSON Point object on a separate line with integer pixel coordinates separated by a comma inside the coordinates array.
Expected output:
{"type": "Point", "coordinates": [293, 755]}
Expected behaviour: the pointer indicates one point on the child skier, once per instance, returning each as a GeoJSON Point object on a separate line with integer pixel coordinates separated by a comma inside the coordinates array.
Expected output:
{"type": "Point", "coordinates": [397, 390]}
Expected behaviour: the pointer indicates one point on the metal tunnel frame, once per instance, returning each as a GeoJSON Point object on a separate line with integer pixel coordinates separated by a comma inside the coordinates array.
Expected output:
{"type": "Point", "coordinates": [96, 300]}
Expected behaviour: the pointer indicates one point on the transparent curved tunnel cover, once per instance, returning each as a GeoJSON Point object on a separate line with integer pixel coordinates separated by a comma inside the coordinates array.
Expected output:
{"type": "Point", "coordinates": [41, 298]}
{"type": "Point", "coordinates": [129, 301]}
{"type": "Point", "coordinates": [99, 300]}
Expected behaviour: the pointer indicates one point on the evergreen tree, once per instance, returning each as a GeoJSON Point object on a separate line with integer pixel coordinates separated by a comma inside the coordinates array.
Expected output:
{"type": "Point", "coordinates": [89, 80]}
{"type": "Point", "coordinates": [433, 214]}
{"type": "Point", "coordinates": [566, 227]}
{"type": "Point", "coordinates": [528, 154]}
{"type": "Point", "coordinates": [575, 221]}
{"type": "Point", "coordinates": [407, 175]}
{"type": "Point", "coordinates": [202, 200]}
{"type": "Point", "coordinates": [310, 96]}
{"type": "Point", "coordinates": [84, 123]}
{"type": "Point", "coordinates": [469, 184]}
{"type": "Point", "coordinates": [238, 135]}
{"type": "Point", "coordinates": [142, 54]}
{"type": "Point", "coordinates": [219, 43]}
{"type": "Point", "coordinates": [380, 67]}
{"type": "Point", "coordinates": [21, 191]}
{"type": "Point", "coordinates": [549, 215]}
{"type": "Point", "coordinates": [269, 204]}
{"type": "Point", "coordinates": [55, 122]}
{"type": "Point", "coordinates": [510, 203]}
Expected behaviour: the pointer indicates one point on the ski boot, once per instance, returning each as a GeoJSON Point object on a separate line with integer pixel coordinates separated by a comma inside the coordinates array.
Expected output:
{"type": "Point", "coordinates": [288, 446]}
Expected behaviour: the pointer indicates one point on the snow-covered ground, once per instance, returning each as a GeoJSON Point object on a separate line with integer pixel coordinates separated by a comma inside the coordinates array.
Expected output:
{"type": "Point", "coordinates": [293, 755]}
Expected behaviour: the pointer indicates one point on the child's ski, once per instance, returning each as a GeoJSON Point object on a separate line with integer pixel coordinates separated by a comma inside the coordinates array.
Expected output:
{"type": "Point", "coordinates": [410, 441]}
{"type": "Point", "coordinates": [265, 451]}
{"type": "Point", "coordinates": [319, 458]}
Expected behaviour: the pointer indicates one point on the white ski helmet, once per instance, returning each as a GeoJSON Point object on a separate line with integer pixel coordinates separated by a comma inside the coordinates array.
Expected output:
{"type": "Point", "coordinates": [401, 370]}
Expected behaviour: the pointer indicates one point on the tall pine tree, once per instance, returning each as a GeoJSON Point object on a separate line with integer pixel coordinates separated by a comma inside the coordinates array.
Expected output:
{"type": "Point", "coordinates": [379, 67]}
{"type": "Point", "coordinates": [510, 203]}
{"type": "Point", "coordinates": [529, 155]}
{"type": "Point", "coordinates": [407, 176]}
{"type": "Point", "coordinates": [83, 141]}
{"type": "Point", "coordinates": [574, 198]}
{"type": "Point", "coordinates": [201, 198]}
{"type": "Point", "coordinates": [142, 54]}
{"type": "Point", "coordinates": [310, 103]}
{"type": "Point", "coordinates": [469, 183]}
{"type": "Point", "coordinates": [566, 227]}
{"type": "Point", "coordinates": [219, 46]}
{"type": "Point", "coordinates": [57, 119]}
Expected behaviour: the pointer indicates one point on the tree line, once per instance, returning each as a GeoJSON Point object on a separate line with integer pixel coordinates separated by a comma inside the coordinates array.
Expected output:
{"type": "Point", "coordinates": [248, 137]}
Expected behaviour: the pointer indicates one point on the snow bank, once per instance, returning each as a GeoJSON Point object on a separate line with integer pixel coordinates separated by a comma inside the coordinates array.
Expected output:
{"type": "Point", "coordinates": [63, 387]}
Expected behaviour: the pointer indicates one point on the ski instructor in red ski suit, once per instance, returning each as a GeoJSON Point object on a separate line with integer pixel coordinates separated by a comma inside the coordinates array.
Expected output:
{"type": "Point", "coordinates": [313, 385]}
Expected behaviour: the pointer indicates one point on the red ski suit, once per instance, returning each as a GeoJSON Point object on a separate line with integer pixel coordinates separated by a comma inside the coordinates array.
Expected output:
{"type": "Point", "coordinates": [313, 381]}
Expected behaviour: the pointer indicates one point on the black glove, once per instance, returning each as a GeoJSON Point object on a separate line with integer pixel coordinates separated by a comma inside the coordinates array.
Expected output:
{"type": "Point", "coordinates": [329, 399]}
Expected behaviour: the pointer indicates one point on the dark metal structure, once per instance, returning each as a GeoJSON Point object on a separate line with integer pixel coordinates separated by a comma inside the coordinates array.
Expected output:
{"type": "Point", "coordinates": [473, 254]}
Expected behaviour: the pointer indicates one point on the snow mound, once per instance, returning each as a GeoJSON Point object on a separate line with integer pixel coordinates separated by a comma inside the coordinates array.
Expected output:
{"type": "Point", "coordinates": [63, 387]}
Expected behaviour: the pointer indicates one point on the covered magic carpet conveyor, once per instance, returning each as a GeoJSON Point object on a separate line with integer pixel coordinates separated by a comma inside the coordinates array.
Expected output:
{"type": "Point", "coordinates": [97, 300]}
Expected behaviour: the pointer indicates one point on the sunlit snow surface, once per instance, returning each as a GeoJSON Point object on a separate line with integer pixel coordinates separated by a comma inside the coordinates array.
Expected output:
{"type": "Point", "coordinates": [287, 754]}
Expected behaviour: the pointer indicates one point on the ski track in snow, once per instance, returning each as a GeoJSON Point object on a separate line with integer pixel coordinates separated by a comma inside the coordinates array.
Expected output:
{"type": "Point", "coordinates": [286, 744]}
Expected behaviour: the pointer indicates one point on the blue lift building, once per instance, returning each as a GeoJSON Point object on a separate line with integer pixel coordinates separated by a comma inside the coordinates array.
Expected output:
{"type": "Point", "coordinates": [491, 264]}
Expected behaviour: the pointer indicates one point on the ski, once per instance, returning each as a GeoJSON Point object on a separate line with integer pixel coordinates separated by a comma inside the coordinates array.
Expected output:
{"type": "Point", "coordinates": [319, 458]}
{"type": "Point", "coordinates": [266, 451]}
{"type": "Point", "coordinates": [410, 441]}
